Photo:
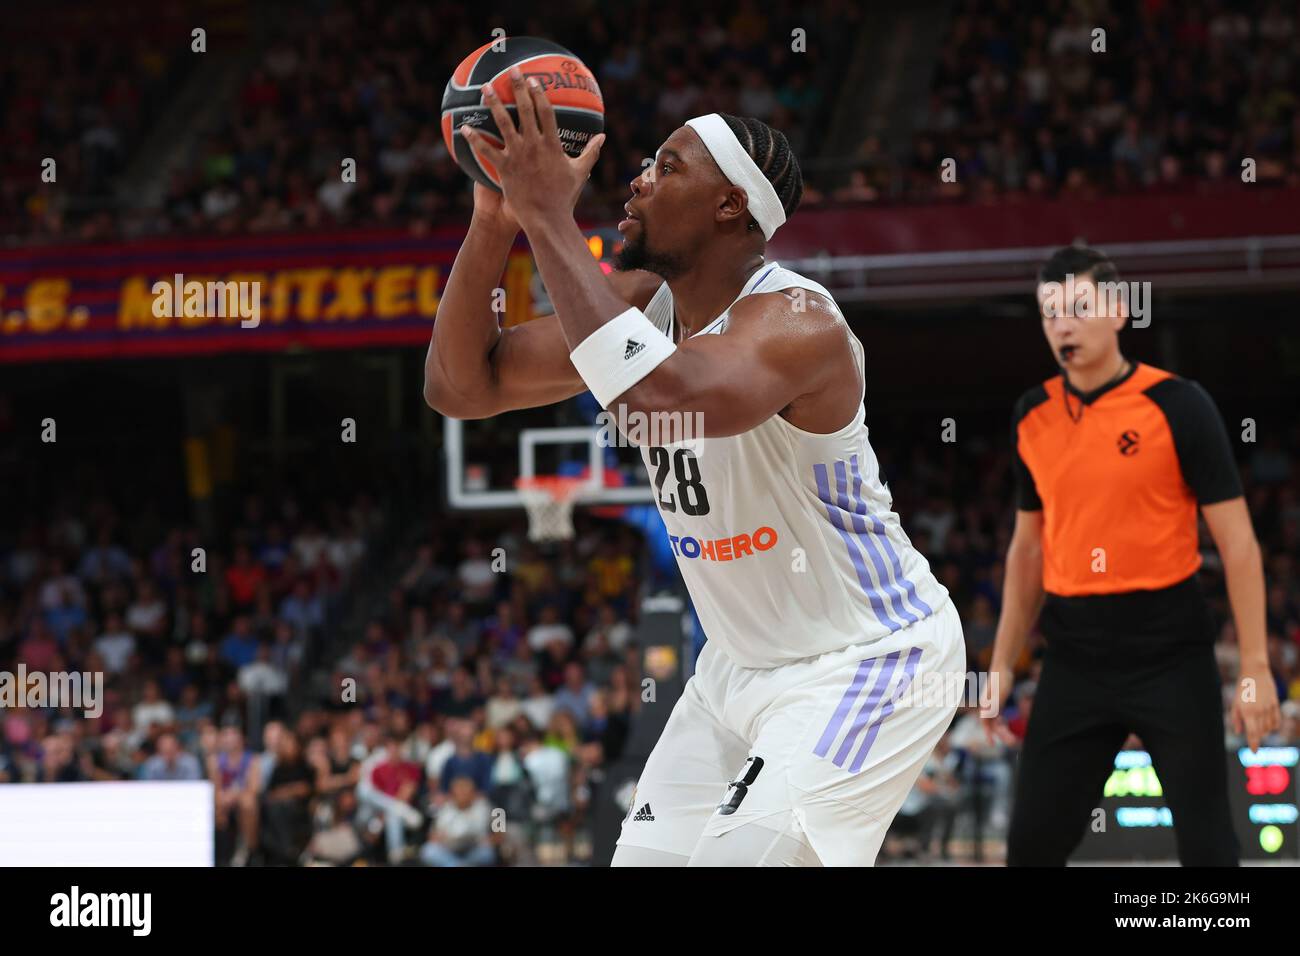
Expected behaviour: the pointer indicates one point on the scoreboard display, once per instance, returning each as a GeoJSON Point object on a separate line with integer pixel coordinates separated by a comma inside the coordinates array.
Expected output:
{"type": "Point", "coordinates": [1135, 823]}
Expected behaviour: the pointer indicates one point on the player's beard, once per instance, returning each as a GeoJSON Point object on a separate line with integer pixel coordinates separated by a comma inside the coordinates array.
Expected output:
{"type": "Point", "coordinates": [637, 254]}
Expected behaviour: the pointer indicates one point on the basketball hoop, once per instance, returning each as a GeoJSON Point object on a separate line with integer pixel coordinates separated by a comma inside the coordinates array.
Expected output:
{"type": "Point", "coordinates": [549, 500]}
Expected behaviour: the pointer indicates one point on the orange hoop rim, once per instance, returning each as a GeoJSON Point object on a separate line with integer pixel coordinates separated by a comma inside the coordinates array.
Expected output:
{"type": "Point", "coordinates": [558, 487]}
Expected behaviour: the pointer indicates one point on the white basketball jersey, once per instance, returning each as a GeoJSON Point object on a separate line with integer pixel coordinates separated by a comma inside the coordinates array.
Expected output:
{"type": "Point", "coordinates": [786, 539]}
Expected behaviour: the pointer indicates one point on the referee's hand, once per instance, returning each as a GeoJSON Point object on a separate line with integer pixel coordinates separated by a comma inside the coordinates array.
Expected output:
{"type": "Point", "coordinates": [1255, 710]}
{"type": "Point", "coordinates": [992, 699]}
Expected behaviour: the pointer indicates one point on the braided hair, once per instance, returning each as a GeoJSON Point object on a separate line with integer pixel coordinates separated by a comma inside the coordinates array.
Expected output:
{"type": "Point", "coordinates": [771, 152]}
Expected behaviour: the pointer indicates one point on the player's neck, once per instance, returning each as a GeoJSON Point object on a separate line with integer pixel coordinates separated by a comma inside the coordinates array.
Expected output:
{"type": "Point", "coordinates": [705, 292]}
{"type": "Point", "coordinates": [1100, 373]}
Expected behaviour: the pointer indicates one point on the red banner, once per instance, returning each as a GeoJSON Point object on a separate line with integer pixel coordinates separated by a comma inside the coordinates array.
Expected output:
{"type": "Point", "coordinates": [873, 229]}
{"type": "Point", "coordinates": [366, 288]}
{"type": "Point", "coordinates": [164, 297]}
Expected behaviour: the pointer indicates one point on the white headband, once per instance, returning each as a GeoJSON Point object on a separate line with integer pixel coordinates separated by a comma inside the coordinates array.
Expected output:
{"type": "Point", "coordinates": [741, 170]}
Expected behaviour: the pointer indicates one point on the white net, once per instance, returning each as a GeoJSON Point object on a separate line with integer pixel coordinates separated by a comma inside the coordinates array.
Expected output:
{"type": "Point", "coordinates": [549, 502]}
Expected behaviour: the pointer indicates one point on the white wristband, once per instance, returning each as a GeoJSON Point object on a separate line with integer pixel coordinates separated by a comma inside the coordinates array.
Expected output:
{"type": "Point", "coordinates": [619, 354]}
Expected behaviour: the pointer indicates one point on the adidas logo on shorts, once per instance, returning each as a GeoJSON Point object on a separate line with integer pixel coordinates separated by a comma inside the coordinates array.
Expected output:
{"type": "Point", "coordinates": [633, 346]}
{"type": "Point", "coordinates": [644, 815]}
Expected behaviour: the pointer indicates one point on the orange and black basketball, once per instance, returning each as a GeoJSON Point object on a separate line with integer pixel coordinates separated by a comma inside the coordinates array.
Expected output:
{"type": "Point", "coordinates": [568, 84]}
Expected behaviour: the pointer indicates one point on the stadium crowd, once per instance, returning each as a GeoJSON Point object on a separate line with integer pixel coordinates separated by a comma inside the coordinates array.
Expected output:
{"type": "Point", "coordinates": [1033, 105]}
{"type": "Point", "coordinates": [477, 688]}
{"type": "Point", "coordinates": [365, 80]}
{"type": "Point", "coordinates": [1024, 106]}
{"type": "Point", "coordinates": [77, 107]}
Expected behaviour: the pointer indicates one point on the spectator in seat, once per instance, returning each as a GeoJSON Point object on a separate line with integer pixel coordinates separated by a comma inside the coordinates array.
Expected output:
{"type": "Point", "coordinates": [147, 614]}
{"type": "Point", "coordinates": [340, 841]}
{"type": "Point", "coordinates": [616, 632]}
{"type": "Point", "coordinates": [461, 834]}
{"type": "Point", "coordinates": [465, 760]}
{"type": "Point", "coordinates": [605, 727]}
{"type": "Point", "coordinates": [151, 710]}
{"type": "Point", "coordinates": [59, 763]}
{"type": "Point", "coordinates": [40, 650]}
{"type": "Point", "coordinates": [190, 713]}
{"type": "Point", "coordinates": [462, 698]}
{"type": "Point", "coordinates": [388, 785]}
{"type": "Point", "coordinates": [548, 769]}
{"type": "Point", "coordinates": [563, 732]}
{"type": "Point", "coordinates": [538, 705]}
{"type": "Point", "coordinates": [175, 677]}
{"type": "Point", "coordinates": [504, 704]}
{"type": "Point", "coordinates": [575, 694]}
{"type": "Point", "coordinates": [613, 575]}
{"type": "Point", "coordinates": [478, 582]}
{"type": "Point", "coordinates": [111, 760]}
{"type": "Point", "coordinates": [456, 630]}
{"type": "Point", "coordinates": [510, 787]}
{"type": "Point", "coordinates": [105, 561]}
{"type": "Point", "coordinates": [337, 769]}
{"type": "Point", "coordinates": [346, 548]}
{"type": "Point", "coordinates": [501, 631]}
{"type": "Point", "coordinates": [66, 615]}
{"type": "Point", "coordinates": [239, 647]}
{"type": "Point", "coordinates": [423, 577]}
{"type": "Point", "coordinates": [521, 667]}
{"type": "Point", "coordinates": [263, 682]}
{"type": "Point", "coordinates": [309, 545]}
{"type": "Point", "coordinates": [286, 820]}
{"type": "Point", "coordinates": [302, 608]}
{"type": "Point", "coordinates": [274, 550]}
{"type": "Point", "coordinates": [169, 762]}
{"type": "Point", "coordinates": [548, 629]}
{"type": "Point", "coordinates": [244, 577]}
{"type": "Point", "coordinates": [230, 770]}
{"type": "Point", "coordinates": [116, 645]}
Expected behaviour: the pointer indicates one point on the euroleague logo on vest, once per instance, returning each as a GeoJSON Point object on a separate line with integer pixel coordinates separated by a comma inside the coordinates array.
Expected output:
{"type": "Point", "coordinates": [1128, 442]}
{"type": "Point", "coordinates": [724, 549]}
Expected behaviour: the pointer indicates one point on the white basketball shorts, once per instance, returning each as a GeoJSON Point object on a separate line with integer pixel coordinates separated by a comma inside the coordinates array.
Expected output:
{"type": "Point", "coordinates": [801, 764]}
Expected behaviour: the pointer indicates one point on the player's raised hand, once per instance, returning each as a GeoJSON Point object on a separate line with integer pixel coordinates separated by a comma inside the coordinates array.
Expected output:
{"type": "Point", "coordinates": [491, 207]}
{"type": "Point", "coordinates": [993, 698]}
{"type": "Point", "coordinates": [540, 181]}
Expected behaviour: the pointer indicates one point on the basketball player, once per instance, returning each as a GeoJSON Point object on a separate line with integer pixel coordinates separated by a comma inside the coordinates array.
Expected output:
{"type": "Point", "coordinates": [1114, 458]}
{"type": "Point", "coordinates": [794, 742]}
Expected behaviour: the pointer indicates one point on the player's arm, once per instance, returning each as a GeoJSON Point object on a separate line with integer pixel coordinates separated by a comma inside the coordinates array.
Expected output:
{"type": "Point", "coordinates": [1243, 568]}
{"type": "Point", "coordinates": [1022, 590]}
{"type": "Point", "coordinates": [1022, 599]}
{"type": "Point", "coordinates": [1255, 710]}
{"type": "Point", "coordinates": [770, 356]}
{"type": "Point", "coordinates": [781, 349]}
{"type": "Point", "coordinates": [1209, 468]}
{"type": "Point", "coordinates": [476, 369]}
{"type": "Point", "coordinates": [1022, 587]}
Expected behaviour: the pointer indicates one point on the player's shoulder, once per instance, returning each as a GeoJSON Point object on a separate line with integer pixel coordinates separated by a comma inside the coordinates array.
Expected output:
{"type": "Point", "coordinates": [804, 335]}
{"type": "Point", "coordinates": [796, 308]}
{"type": "Point", "coordinates": [1179, 398]}
{"type": "Point", "coordinates": [635, 286]}
{"type": "Point", "coordinates": [797, 328]}
{"type": "Point", "coordinates": [1034, 397]}
{"type": "Point", "coordinates": [1147, 378]}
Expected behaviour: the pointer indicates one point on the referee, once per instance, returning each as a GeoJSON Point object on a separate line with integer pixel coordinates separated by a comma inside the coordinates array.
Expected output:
{"type": "Point", "coordinates": [1113, 459]}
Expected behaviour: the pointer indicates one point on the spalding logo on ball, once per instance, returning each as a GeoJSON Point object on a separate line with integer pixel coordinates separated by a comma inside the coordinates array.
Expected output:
{"type": "Point", "coordinates": [566, 81]}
